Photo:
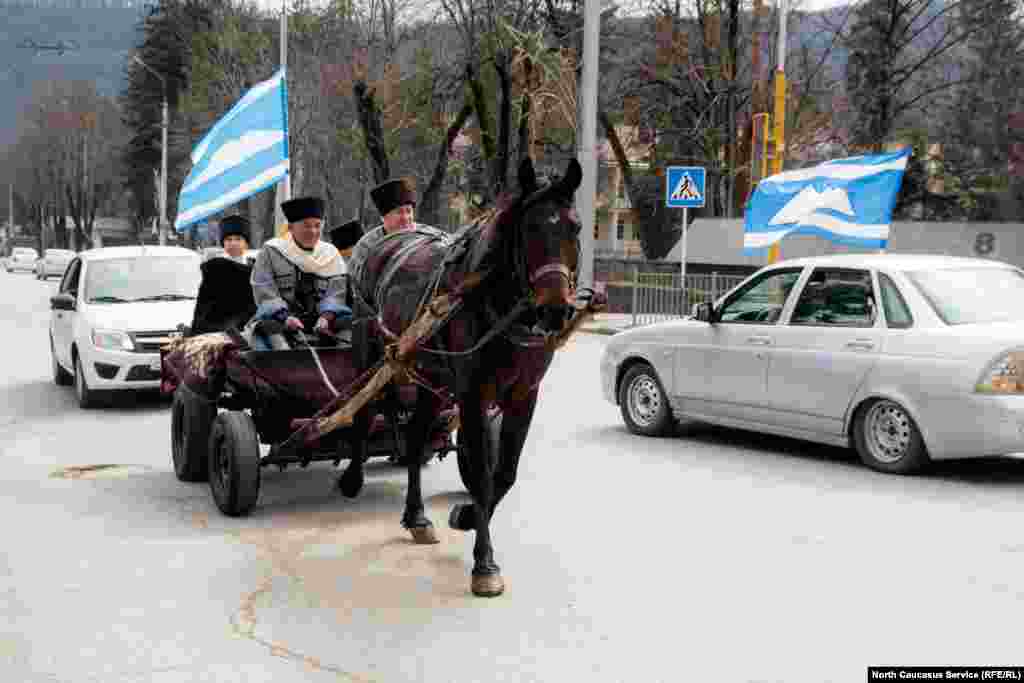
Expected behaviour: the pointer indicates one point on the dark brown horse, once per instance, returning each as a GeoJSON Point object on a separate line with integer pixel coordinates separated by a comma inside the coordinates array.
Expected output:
{"type": "Point", "coordinates": [492, 352]}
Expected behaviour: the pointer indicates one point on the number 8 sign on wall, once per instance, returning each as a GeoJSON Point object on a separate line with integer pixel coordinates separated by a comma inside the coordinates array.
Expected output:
{"type": "Point", "coordinates": [985, 245]}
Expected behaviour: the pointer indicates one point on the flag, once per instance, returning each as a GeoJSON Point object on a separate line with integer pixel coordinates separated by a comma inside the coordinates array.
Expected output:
{"type": "Point", "coordinates": [245, 152]}
{"type": "Point", "coordinates": [848, 201]}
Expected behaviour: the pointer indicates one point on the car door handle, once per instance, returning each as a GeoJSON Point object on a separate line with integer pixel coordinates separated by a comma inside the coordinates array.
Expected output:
{"type": "Point", "coordinates": [759, 341]}
{"type": "Point", "coordinates": [861, 345]}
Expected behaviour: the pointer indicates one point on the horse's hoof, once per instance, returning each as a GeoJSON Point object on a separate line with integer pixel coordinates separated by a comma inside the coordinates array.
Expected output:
{"type": "Point", "coordinates": [424, 535]}
{"type": "Point", "coordinates": [487, 585]}
{"type": "Point", "coordinates": [351, 483]}
{"type": "Point", "coordinates": [462, 517]}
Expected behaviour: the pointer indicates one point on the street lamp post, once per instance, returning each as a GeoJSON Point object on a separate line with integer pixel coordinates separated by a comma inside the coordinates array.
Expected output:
{"type": "Point", "coordinates": [163, 151]}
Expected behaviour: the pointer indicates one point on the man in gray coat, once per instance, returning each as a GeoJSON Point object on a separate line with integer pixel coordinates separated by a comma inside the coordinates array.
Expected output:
{"type": "Point", "coordinates": [299, 281]}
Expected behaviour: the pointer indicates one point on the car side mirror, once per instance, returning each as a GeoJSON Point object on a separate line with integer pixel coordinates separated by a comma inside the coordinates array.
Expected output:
{"type": "Point", "coordinates": [704, 312]}
{"type": "Point", "coordinates": [62, 302]}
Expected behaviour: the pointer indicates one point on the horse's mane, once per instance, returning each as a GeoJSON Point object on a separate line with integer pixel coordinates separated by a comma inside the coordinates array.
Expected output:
{"type": "Point", "coordinates": [494, 222]}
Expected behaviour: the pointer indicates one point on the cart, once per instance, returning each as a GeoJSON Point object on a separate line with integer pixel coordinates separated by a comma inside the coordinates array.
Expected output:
{"type": "Point", "coordinates": [228, 400]}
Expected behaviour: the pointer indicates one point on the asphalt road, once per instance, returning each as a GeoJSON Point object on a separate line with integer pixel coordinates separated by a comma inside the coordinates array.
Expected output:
{"type": "Point", "coordinates": [712, 556]}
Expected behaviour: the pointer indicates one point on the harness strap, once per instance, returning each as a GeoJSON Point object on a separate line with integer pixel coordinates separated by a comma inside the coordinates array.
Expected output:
{"type": "Point", "coordinates": [551, 268]}
{"type": "Point", "coordinates": [521, 306]}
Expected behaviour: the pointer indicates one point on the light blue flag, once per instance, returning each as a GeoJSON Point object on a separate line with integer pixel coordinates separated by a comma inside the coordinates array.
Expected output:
{"type": "Point", "coordinates": [848, 201]}
{"type": "Point", "coordinates": [244, 153]}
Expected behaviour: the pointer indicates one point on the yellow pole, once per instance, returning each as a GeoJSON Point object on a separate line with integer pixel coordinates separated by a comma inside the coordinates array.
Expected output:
{"type": "Point", "coordinates": [780, 109]}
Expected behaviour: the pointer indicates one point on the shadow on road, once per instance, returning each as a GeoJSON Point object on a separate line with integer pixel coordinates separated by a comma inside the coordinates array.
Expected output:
{"type": "Point", "coordinates": [748, 449]}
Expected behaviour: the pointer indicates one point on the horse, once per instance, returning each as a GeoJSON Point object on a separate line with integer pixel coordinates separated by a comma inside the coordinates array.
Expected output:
{"type": "Point", "coordinates": [515, 275]}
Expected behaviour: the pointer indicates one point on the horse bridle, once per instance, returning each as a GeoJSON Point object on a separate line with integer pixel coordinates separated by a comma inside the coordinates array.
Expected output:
{"type": "Point", "coordinates": [550, 317]}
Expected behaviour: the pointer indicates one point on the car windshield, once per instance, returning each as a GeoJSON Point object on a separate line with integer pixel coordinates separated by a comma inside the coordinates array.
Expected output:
{"type": "Point", "coordinates": [961, 296]}
{"type": "Point", "coordinates": [25, 252]}
{"type": "Point", "coordinates": [143, 278]}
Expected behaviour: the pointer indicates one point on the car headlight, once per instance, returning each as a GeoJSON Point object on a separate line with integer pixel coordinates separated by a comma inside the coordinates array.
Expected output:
{"type": "Point", "coordinates": [112, 339]}
{"type": "Point", "coordinates": [1004, 376]}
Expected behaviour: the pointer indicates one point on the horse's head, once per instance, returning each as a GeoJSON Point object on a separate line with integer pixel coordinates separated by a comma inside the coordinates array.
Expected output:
{"type": "Point", "coordinates": [547, 246]}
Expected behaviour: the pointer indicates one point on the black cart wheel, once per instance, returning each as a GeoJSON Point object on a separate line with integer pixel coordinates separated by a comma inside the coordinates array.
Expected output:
{"type": "Point", "coordinates": [234, 463]}
{"type": "Point", "coordinates": [191, 419]}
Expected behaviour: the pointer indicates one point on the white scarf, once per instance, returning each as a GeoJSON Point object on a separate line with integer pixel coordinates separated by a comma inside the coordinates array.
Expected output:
{"type": "Point", "coordinates": [323, 261]}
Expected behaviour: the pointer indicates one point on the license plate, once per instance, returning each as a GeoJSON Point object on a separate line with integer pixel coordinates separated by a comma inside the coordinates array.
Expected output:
{"type": "Point", "coordinates": [154, 365]}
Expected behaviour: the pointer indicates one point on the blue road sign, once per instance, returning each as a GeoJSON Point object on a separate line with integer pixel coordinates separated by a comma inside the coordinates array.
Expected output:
{"type": "Point", "coordinates": [684, 187]}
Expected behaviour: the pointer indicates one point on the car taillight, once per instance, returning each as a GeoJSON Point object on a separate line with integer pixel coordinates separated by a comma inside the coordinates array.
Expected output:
{"type": "Point", "coordinates": [1005, 375]}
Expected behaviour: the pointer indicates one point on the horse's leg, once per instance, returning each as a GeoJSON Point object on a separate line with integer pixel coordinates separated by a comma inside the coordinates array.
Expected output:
{"type": "Point", "coordinates": [364, 355]}
{"type": "Point", "coordinates": [515, 425]}
{"type": "Point", "coordinates": [476, 465]}
{"type": "Point", "coordinates": [351, 481]}
{"type": "Point", "coordinates": [416, 434]}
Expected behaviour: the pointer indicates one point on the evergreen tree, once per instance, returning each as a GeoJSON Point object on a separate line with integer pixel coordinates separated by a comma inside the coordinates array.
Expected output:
{"type": "Point", "coordinates": [164, 46]}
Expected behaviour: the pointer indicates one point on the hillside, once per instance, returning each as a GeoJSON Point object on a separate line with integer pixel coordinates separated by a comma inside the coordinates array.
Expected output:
{"type": "Point", "coordinates": [99, 36]}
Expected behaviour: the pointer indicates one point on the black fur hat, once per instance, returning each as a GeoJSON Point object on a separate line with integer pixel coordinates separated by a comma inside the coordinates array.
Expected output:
{"type": "Point", "coordinates": [392, 194]}
{"type": "Point", "coordinates": [234, 225]}
{"type": "Point", "coordinates": [301, 208]}
{"type": "Point", "coordinates": [346, 235]}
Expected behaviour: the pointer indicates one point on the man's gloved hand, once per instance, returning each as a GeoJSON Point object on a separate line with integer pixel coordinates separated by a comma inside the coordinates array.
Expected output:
{"type": "Point", "coordinates": [293, 323]}
{"type": "Point", "coordinates": [325, 324]}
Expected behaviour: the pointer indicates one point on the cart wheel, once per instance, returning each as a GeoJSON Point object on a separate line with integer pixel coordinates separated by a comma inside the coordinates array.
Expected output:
{"type": "Point", "coordinates": [191, 419]}
{"type": "Point", "coordinates": [234, 463]}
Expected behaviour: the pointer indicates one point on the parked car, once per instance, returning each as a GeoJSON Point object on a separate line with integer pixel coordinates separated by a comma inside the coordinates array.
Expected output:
{"type": "Point", "coordinates": [22, 258]}
{"type": "Point", "coordinates": [115, 307]}
{"type": "Point", "coordinates": [905, 358]}
{"type": "Point", "coordinates": [53, 263]}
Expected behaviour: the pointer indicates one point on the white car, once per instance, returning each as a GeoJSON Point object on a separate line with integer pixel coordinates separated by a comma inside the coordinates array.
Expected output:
{"type": "Point", "coordinates": [115, 307]}
{"type": "Point", "coordinates": [905, 358]}
{"type": "Point", "coordinates": [53, 263]}
{"type": "Point", "coordinates": [22, 258]}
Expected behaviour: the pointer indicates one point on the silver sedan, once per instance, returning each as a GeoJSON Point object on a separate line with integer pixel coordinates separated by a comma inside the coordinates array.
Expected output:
{"type": "Point", "coordinates": [905, 358]}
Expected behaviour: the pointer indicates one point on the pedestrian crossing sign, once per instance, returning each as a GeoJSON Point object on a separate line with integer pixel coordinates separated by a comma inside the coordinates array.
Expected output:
{"type": "Point", "coordinates": [684, 187]}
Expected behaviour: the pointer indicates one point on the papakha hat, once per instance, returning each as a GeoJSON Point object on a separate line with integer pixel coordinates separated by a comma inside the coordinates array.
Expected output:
{"type": "Point", "coordinates": [392, 194]}
{"type": "Point", "coordinates": [234, 225]}
{"type": "Point", "coordinates": [346, 235]}
{"type": "Point", "coordinates": [301, 208]}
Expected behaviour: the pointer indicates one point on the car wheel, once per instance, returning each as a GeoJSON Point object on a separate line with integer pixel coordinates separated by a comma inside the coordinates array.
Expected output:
{"type": "Point", "coordinates": [234, 463]}
{"type": "Point", "coordinates": [644, 403]}
{"type": "Point", "coordinates": [887, 439]}
{"type": "Point", "coordinates": [191, 419]}
{"type": "Point", "coordinates": [61, 377]}
{"type": "Point", "coordinates": [87, 398]}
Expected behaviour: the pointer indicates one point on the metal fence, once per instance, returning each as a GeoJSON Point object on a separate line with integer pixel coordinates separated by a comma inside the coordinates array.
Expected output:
{"type": "Point", "coordinates": [655, 296]}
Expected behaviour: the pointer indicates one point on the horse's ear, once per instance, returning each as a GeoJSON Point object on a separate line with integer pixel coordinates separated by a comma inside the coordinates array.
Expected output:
{"type": "Point", "coordinates": [573, 177]}
{"type": "Point", "coordinates": [527, 176]}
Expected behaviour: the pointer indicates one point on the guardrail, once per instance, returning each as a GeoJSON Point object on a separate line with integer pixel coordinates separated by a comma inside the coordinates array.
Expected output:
{"type": "Point", "coordinates": [654, 297]}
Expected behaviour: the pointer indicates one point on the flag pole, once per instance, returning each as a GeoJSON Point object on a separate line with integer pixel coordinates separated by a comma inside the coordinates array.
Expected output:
{"type": "Point", "coordinates": [284, 186]}
{"type": "Point", "coordinates": [586, 135]}
{"type": "Point", "coordinates": [780, 109]}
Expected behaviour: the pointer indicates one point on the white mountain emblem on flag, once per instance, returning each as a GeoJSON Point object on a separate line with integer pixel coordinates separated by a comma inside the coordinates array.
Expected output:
{"type": "Point", "coordinates": [685, 189]}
